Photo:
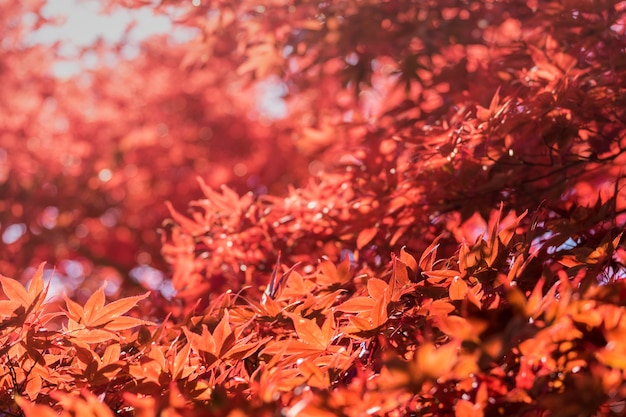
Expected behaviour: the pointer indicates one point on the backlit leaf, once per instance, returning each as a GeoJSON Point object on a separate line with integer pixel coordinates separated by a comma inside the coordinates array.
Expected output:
{"type": "Point", "coordinates": [377, 288]}
{"type": "Point", "coordinates": [94, 305]}
{"type": "Point", "coordinates": [408, 259]}
{"type": "Point", "coordinates": [74, 310]}
{"type": "Point", "coordinates": [328, 327]}
{"type": "Point", "coordinates": [400, 273]}
{"type": "Point", "coordinates": [188, 225]}
{"type": "Point", "coordinates": [334, 275]}
{"type": "Point", "coordinates": [365, 236]}
{"type": "Point", "coordinates": [37, 291]}
{"type": "Point", "coordinates": [115, 309]}
{"type": "Point", "coordinates": [244, 348]}
{"type": "Point", "coordinates": [535, 298]}
{"type": "Point", "coordinates": [440, 307]}
{"type": "Point", "coordinates": [458, 289]}
{"type": "Point", "coordinates": [314, 375]}
{"type": "Point", "coordinates": [33, 386]}
{"type": "Point", "coordinates": [93, 336]}
{"type": "Point", "coordinates": [178, 361]}
{"type": "Point", "coordinates": [357, 305]}
{"type": "Point", "coordinates": [123, 323]}
{"type": "Point", "coordinates": [428, 257]}
{"type": "Point", "coordinates": [111, 353]}
{"type": "Point", "coordinates": [309, 332]}
{"type": "Point", "coordinates": [360, 324]}
{"type": "Point", "coordinates": [379, 311]}
{"type": "Point", "coordinates": [9, 307]}
{"type": "Point", "coordinates": [15, 291]}
{"type": "Point", "coordinates": [474, 295]}
{"type": "Point", "coordinates": [223, 334]}
{"type": "Point", "coordinates": [515, 270]}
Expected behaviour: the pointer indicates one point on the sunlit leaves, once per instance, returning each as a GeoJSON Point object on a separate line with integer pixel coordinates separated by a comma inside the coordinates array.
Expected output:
{"type": "Point", "coordinates": [309, 332]}
{"type": "Point", "coordinates": [371, 311]}
{"type": "Point", "coordinates": [448, 324]}
{"type": "Point", "coordinates": [458, 289]}
{"type": "Point", "coordinates": [408, 259]}
{"type": "Point", "coordinates": [357, 305]}
{"type": "Point", "coordinates": [365, 236]}
{"type": "Point", "coordinates": [392, 283]}
{"type": "Point", "coordinates": [29, 300]}
{"type": "Point", "coordinates": [95, 314]}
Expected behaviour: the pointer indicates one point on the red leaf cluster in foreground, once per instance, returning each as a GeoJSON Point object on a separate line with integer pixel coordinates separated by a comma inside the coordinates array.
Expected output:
{"type": "Point", "coordinates": [434, 225]}
{"type": "Point", "coordinates": [426, 336]}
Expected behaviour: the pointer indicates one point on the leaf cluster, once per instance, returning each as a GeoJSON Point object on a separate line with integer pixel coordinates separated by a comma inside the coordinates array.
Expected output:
{"type": "Point", "coordinates": [463, 335]}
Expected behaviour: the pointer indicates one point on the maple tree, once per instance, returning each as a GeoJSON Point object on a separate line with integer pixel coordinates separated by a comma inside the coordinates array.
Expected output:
{"type": "Point", "coordinates": [433, 227]}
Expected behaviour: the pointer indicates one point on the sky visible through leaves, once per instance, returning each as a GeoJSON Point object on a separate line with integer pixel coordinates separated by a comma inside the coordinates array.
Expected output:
{"type": "Point", "coordinates": [81, 23]}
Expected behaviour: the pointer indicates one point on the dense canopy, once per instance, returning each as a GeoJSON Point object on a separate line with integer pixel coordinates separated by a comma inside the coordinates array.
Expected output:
{"type": "Point", "coordinates": [340, 208]}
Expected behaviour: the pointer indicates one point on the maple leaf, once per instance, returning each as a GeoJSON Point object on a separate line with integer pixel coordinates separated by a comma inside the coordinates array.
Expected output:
{"type": "Point", "coordinates": [97, 322]}
{"type": "Point", "coordinates": [223, 343]}
{"type": "Point", "coordinates": [371, 311]}
{"type": "Point", "coordinates": [310, 333]}
{"type": "Point", "coordinates": [30, 300]}
{"type": "Point", "coordinates": [95, 314]}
